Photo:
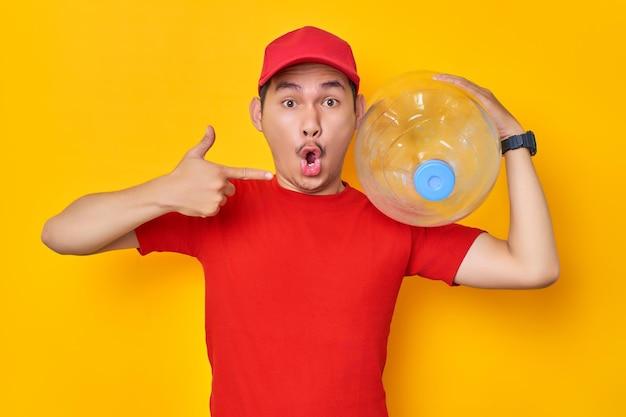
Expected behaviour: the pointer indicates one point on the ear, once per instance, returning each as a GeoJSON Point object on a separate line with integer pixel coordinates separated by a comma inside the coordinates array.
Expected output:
{"type": "Point", "coordinates": [360, 109]}
{"type": "Point", "coordinates": [256, 114]}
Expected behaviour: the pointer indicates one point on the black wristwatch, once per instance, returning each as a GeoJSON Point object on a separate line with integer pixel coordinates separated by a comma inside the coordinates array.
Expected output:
{"type": "Point", "coordinates": [526, 140]}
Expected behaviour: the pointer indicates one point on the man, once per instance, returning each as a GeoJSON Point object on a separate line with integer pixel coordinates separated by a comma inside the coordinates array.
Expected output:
{"type": "Point", "coordinates": [302, 272]}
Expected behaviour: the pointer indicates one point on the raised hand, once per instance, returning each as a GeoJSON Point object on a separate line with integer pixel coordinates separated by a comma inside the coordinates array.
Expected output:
{"type": "Point", "coordinates": [505, 122]}
{"type": "Point", "coordinates": [197, 187]}
{"type": "Point", "coordinates": [528, 257]}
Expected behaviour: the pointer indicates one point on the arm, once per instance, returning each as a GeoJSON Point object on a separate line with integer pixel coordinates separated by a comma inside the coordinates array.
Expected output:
{"type": "Point", "coordinates": [106, 221]}
{"type": "Point", "coordinates": [528, 258]}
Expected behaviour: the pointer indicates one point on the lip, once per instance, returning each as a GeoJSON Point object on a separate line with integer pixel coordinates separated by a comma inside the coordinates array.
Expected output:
{"type": "Point", "coordinates": [308, 150]}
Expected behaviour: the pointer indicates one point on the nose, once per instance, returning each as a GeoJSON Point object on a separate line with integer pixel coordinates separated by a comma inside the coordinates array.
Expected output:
{"type": "Point", "coordinates": [311, 133]}
{"type": "Point", "coordinates": [311, 126]}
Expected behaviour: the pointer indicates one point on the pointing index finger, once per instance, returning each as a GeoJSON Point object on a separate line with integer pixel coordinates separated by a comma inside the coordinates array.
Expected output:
{"type": "Point", "coordinates": [248, 174]}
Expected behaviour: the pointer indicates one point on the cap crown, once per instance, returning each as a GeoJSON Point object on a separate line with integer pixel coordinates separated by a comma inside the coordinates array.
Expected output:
{"type": "Point", "coordinates": [308, 45]}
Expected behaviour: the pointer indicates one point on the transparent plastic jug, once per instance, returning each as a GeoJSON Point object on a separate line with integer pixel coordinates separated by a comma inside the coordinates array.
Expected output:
{"type": "Point", "coordinates": [427, 153]}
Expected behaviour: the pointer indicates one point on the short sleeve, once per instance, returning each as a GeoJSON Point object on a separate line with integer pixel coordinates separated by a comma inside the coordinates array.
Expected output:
{"type": "Point", "coordinates": [438, 251]}
{"type": "Point", "coordinates": [172, 232]}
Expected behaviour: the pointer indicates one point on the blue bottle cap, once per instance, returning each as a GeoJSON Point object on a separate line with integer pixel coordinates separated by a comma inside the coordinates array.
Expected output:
{"type": "Point", "coordinates": [434, 180]}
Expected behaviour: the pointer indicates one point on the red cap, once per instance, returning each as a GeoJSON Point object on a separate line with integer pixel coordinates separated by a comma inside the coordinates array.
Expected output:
{"type": "Point", "coordinates": [308, 44]}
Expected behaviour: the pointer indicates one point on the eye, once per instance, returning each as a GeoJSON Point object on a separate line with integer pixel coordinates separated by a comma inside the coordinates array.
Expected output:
{"type": "Point", "coordinates": [289, 103]}
{"type": "Point", "coordinates": [330, 102]}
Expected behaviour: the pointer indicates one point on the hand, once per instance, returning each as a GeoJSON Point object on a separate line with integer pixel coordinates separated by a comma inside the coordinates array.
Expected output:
{"type": "Point", "coordinates": [503, 119]}
{"type": "Point", "coordinates": [198, 187]}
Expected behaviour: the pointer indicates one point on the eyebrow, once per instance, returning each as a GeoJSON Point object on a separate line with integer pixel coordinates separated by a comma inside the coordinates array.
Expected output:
{"type": "Point", "coordinates": [333, 84]}
{"type": "Point", "coordinates": [285, 85]}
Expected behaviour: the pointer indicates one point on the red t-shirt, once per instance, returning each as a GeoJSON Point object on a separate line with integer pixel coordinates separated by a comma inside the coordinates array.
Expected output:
{"type": "Point", "coordinates": [300, 292]}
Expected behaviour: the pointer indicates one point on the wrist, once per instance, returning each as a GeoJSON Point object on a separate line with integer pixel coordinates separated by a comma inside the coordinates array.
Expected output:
{"type": "Point", "coordinates": [517, 141]}
{"type": "Point", "coordinates": [162, 194]}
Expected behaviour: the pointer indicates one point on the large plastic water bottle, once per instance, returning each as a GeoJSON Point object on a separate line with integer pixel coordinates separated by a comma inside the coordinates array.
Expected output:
{"type": "Point", "coordinates": [427, 153]}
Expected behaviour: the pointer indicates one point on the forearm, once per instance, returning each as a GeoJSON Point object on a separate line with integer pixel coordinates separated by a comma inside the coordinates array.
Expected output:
{"type": "Point", "coordinates": [531, 239]}
{"type": "Point", "coordinates": [106, 221]}
{"type": "Point", "coordinates": [94, 221]}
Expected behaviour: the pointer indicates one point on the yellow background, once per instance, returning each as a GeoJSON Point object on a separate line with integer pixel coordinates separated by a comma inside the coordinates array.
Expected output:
{"type": "Point", "coordinates": [101, 95]}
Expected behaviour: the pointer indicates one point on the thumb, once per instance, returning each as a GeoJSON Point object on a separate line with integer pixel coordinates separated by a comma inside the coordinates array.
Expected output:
{"type": "Point", "coordinates": [200, 150]}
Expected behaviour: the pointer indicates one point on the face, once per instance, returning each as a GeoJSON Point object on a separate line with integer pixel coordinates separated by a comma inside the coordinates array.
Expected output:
{"type": "Point", "coordinates": [308, 118]}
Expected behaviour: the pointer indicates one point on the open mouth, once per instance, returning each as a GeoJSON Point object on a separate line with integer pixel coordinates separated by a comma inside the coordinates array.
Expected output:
{"type": "Point", "coordinates": [310, 158]}
{"type": "Point", "coordinates": [311, 164]}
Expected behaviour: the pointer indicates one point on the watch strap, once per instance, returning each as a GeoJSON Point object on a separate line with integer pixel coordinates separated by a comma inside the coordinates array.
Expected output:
{"type": "Point", "coordinates": [525, 140]}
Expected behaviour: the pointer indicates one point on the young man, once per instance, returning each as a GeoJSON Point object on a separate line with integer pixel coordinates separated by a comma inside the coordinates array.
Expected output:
{"type": "Point", "coordinates": [302, 272]}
